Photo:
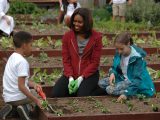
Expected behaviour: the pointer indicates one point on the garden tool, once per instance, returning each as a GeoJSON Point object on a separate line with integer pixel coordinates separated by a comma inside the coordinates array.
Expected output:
{"type": "Point", "coordinates": [45, 103]}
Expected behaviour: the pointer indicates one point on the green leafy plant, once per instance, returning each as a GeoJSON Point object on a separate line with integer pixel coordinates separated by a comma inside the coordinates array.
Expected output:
{"type": "Point", "coordinates": [44, 104]}
{"type": "Point", "coordinates": [39, 26]}
{"type": "Point", "coordinates": [41, 43]}
{"type": "Point", "coordinates": [43, 57]}
{"type": "Point", "coordinates": [21, 7]}
{"type": "Point", "coordinates": [6, 43]}
{"type": "Point", "coordinates": [155, 74]}
{"type": "Point", "coordinates": [58, 43]}
{"type": "Point", "coordinates": [105, 41]}
{"type": "Point", "coordinates": [141, 97]}
{"type": "Point", "coordinates": [102, 74]}
{"type": "Point", "coordinates": [130, 105]}
{"type": "Point", "coordinates": [155, 108]}
{"type": "Point", "coordinates": [74, 105]}
{"type": "Point", "coordinates": [43, 78]}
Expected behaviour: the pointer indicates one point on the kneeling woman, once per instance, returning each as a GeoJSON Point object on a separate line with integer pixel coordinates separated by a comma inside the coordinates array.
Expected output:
{"type": "Point", "coordinates": [81, 51]}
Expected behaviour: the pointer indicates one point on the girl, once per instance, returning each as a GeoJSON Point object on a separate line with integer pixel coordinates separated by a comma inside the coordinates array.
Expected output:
{"type": "Point", "coordinates": [67, 9]}
{"type": "Point", "coordinates": [81, 51]}
{"type": "Point", "coordinates": [6, 22]}
{"type": "Point", "coordinates": [128, 75]}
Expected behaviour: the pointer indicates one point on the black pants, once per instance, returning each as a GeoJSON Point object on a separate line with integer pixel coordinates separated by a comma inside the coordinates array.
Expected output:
{"type": "Point", "coordinates": [88, 87]}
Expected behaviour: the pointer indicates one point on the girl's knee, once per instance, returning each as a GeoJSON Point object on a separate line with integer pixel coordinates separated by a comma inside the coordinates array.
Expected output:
{"type": "Point", "coordinates": [103, 83]}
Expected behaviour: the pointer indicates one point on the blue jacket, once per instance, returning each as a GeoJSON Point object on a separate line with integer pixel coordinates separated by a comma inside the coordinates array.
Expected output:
{"type": "Point", "coordinates": [141, 82]}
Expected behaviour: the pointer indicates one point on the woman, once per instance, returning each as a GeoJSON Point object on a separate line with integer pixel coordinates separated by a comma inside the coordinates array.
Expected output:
{"type": "Point", "coordinates": [81, 51]}
{"type": "Point", "coordinates": [6, 22]}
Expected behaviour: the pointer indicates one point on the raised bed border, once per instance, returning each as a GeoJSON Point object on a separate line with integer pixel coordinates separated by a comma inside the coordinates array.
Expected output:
{"type": "Point", "coordinates": [108, 35]}
{"type": "Point", "coordinates": [47, 88]}
{"type": "Point", "coordinates": [129, 116]}
{"type": "Point", "coordinates": [58, 52]}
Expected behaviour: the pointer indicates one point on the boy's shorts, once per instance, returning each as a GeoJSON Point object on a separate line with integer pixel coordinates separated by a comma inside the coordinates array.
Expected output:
{"type": "Point", "coordinates": [119, 9]}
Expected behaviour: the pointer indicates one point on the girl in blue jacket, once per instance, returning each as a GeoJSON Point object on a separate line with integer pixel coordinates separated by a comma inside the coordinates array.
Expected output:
{"type": "Point", "coordinates": [128, 75]}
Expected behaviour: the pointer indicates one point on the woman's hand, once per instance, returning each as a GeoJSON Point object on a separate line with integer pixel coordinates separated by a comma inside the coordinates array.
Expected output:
{"type": "Point", "coordinates": [111, 79]}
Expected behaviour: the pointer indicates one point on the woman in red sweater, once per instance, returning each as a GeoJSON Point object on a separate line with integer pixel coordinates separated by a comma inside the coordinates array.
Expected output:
{"type": "Point", "coordinates": [81, 52]}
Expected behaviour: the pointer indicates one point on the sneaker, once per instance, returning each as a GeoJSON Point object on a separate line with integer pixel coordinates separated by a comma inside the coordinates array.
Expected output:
{"type": "Point", "coordinates": [5, 111]}
{"type": "Point", "coordinates": [23, 112]}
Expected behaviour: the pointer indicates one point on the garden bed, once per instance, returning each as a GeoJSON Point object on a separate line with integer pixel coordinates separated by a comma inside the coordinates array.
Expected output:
{"type": "Point", "coordinates": [95, 108]}
{"type": "Point", "coordinates": [51, 29]}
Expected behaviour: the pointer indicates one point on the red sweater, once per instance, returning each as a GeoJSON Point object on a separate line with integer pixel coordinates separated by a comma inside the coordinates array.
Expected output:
{"type": "Point", "coordinates": [86, 64]}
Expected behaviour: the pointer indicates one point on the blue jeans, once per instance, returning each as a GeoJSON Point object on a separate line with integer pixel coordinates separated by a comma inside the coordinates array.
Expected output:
{"type": "Point", "coordinates": [118, 88]}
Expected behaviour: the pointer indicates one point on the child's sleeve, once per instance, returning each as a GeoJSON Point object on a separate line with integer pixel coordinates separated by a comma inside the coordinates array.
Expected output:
{"type": "Point", "coordinates": [1, 10]}
{"type": "Point", "coordinates": [114, 66]}
{"type": "Point", "coordinates": [23, 69]}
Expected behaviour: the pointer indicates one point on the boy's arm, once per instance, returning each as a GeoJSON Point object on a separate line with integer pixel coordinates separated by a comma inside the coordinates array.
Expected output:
{"type": "Point", "coordinates": [34, 85]}
{"type": "Point", "coordinates": [25, 91]}
{"type": "Point", "coordinates": [111, 1]}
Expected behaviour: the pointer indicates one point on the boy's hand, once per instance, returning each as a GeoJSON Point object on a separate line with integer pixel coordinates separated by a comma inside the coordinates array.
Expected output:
{"type": "Point", "coordinates": [39, 103]}
{"type": "Point", "coordinates": [121, 98]}
{"type": "Point", "coordinates": [37, 87]}
{"type": "Point", "coordinates": [111, 79]}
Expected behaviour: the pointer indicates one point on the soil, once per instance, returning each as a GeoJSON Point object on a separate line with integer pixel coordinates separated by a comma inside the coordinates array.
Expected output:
{"type": "Point", "coordinates": [101, 105]}
{"type": "Point", "coordinates": [105, 61]}
{"type": "Point", "coordinates": [43, 29]}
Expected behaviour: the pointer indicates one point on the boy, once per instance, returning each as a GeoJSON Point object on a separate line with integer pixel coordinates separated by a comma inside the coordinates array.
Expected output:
{"type": "Point", "coordinates": [15, 79]}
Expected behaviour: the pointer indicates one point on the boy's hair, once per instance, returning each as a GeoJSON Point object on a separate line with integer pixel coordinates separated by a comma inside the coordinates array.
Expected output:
{"type": "Point", "coordinates": [21, 38]}
{"type": "Point", "coordinates": [87, 18]}
{"type": "Point", "coordinates": [124, 38]}
{"type": "Point", "coordinates": [65, 5]}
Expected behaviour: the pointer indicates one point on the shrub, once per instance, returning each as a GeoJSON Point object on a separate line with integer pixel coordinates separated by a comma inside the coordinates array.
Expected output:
{"type": "Point", "coordinates": [20, 7]}
{"type": "Point", "coordinates": [144, 11]}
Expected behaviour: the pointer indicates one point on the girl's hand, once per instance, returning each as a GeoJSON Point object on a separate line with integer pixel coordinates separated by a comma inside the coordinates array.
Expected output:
{"type": "Point", "coordinates": [111, 79]}
{"type": "Point", "coordinates": [121, 98]}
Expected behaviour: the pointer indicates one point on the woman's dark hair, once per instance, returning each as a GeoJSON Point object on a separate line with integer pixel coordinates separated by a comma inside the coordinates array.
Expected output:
{"type": "Point", "coordinates": [87, 19]}
{"type": "Point", "coordinates": [21, 38]}
{"type": "Point", "coordinates": [8, 1]}
{"type": "Point", "coordinates": [124, 38]}
{"type": "Point", "coordinates": [65, 5]}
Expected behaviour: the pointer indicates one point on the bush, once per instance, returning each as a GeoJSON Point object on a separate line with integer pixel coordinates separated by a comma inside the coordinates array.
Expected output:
{"type": "Point", "coordinates": [101, 14]}
{"type": "Point", "coordinates": [144, 11]}
{"type": "Point", "coordinates": [20, 7]}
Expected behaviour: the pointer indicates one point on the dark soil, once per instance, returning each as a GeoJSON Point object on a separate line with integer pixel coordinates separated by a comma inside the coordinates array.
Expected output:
{"type": "Point", "coordinates": [105, 61]}
{"type": "Point", "coordinates": [101, 105]}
